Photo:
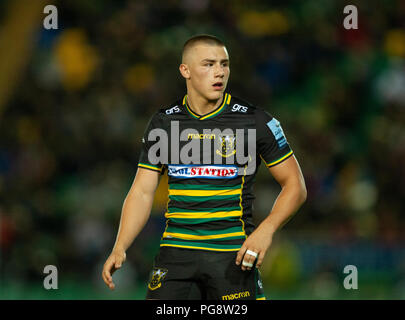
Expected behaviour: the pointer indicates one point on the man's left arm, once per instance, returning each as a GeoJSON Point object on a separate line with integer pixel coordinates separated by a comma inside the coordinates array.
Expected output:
{"type": "Point", "coordinates": [293, 194]}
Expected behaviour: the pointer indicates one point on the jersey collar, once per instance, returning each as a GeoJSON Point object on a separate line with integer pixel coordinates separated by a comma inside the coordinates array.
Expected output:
{"type": "Point", "coordinates": [225, 102]}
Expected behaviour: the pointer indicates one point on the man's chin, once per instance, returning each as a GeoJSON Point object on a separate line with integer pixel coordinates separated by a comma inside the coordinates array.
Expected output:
{"type": "Point", "coordinates": [215, 95]}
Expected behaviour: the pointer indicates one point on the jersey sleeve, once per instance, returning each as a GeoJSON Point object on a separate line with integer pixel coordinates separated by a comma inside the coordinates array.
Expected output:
{"type": "Point", "coordinates": [145, 160]}
{"type": "Point", "coordinates": [271, 142]}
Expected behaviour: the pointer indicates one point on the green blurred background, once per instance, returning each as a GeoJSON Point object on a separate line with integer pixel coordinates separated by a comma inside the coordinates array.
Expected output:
{"type": "Point", "coordinates": [75, 101]}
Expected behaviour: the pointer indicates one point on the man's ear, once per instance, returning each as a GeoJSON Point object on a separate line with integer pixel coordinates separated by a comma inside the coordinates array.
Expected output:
{"type": "Point", "coordinates": [184, 70]}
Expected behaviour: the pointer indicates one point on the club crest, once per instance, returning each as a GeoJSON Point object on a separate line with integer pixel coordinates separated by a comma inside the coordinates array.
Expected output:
{"type": "Point", "coordinates": [158, 274]}
{"type": "Point", "coordinates": [227, 144]}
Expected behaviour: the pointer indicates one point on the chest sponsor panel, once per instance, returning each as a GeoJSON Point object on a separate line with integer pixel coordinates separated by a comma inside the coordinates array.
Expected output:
{"type": "Point", "coordinates": [201, 171]}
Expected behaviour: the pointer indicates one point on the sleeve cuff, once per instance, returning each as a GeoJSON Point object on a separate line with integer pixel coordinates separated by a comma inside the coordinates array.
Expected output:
{"type": "Point", "coordinates": [150, 167]}
{"type": "Point", "coordinates": [273, 163]}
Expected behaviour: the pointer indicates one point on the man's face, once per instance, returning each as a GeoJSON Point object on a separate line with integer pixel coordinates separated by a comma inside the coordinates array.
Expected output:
{"type": "Point", "coordinates": [208, 70]}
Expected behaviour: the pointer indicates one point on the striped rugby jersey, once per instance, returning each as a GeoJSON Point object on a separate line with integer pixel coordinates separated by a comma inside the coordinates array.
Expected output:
{"type": "Point", "coordinates": [210, 188]}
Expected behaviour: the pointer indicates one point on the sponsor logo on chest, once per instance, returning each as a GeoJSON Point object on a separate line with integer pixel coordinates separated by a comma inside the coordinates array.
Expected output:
{"type": "Point", "coordinates": [213, 172]}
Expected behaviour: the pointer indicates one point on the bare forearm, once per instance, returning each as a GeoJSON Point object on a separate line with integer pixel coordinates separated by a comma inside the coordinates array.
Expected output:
{"type": "Point", "coordinates": [286, 205]}
{"type": "Point", "coordinates": [135, 213]}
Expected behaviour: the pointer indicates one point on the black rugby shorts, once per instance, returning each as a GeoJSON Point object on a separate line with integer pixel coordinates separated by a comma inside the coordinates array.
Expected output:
{"type": "Point", "coordinates": [189, 274]}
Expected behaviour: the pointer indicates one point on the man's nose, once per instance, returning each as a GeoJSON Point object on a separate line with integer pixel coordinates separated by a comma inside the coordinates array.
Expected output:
{"type": "Point", "coordinates": [219, 71]}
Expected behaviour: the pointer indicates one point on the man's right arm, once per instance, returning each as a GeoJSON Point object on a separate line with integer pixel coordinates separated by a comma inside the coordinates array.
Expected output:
{"type": "Point", "coordinates": [135, 213]}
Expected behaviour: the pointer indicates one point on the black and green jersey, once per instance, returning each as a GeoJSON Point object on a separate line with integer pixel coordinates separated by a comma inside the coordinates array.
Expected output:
{"type": "Point", "coordinates": [209, 161]}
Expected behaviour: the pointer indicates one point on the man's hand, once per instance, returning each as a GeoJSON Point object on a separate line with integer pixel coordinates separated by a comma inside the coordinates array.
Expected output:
{"type": "Point", "coordinates": [258, 242]}
{"type": "Point", "coordinates": [113, 263]}
{"type": "Point", "coordinates": [293, 194]}
{"type": "Point", "coordinates": [135, 213]}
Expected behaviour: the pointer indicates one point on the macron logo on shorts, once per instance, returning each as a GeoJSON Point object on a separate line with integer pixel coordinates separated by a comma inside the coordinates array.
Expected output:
{"type": "Point", "coordinates": [237, 295]}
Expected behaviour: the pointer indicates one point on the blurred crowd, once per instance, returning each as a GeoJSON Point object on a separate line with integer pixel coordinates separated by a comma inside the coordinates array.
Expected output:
{"type": "Point", "coordinates": [70, 132]}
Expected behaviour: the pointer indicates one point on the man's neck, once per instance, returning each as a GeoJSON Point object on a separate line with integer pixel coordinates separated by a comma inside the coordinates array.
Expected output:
{"type": "Point", "coordinates": [201, 105]}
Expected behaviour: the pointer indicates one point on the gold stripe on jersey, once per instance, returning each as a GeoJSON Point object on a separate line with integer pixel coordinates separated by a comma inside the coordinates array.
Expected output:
{"type": "Point", "coordinates": [240, 200]}
{"type": "Point", "coordinates": [184, 236]}
{"type": "Point", "coordinates": [201, 246]}
{"type": "Point", "coordinates": [278, 160]}
{"type": "Point", "coordinates": [227, 98]}
{"type": "Point", "coordinates": [203, 214]}
{"type": "Point", "coordinates": [203, 193]}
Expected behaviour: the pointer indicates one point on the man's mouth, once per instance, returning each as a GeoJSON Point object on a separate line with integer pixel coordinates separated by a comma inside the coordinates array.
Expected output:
{"type": "Point", "coordinates": [218, 85]}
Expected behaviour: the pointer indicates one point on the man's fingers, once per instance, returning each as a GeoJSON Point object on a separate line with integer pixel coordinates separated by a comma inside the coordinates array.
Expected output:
{"type": "Point", "coordinates": [246, 257]}
{"type": "Point", "coordinates": [105, 279]}
{"type": "Point", "coordinates": [107, 276]}
{"type": "Point", "coordinates": [249, 259]}
{"type": "Point", "coordinates": [113, 263]}
{"type": "Point", "coordinates": [260, 259]}
{"type": "Point", "coordinates": [240, 255]}
{"type": "Point", "coordinates": [108, 270]}
{"type": "Point", "coordinates": [108, 279]}
{"type": "Point", "coordinates": [247, 262]}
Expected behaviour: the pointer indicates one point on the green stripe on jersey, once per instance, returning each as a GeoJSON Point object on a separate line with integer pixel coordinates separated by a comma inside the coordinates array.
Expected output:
{"type": "Point", "coordinates": [205, 220]}
{"type": "Point", "coordinates": [204, 232]}
{"type": "Point", "coordinates": [175, 210]}
{"type": "Point", "coordinates": [177, 186]}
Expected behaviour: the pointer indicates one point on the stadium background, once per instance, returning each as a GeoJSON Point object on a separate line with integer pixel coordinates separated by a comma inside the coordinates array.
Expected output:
{"type": "Point", "coordinates": [75, 101]}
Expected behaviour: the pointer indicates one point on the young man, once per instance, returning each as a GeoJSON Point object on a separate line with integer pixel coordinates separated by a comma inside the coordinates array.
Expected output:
{"type": "Point", "coordinates": [214, 144]}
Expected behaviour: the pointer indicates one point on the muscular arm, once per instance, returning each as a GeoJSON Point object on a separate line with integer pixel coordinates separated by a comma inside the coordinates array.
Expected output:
{"type": "Point", "coordinates": [135, 213]}
{"type": "Point", "coordinates": [136, 208]}
{"type": "Point", "coordinates": [293, 194]}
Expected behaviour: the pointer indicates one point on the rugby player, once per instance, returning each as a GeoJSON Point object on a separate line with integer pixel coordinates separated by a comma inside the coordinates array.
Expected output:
{"type": "Point", "coordinates": [210, 248]}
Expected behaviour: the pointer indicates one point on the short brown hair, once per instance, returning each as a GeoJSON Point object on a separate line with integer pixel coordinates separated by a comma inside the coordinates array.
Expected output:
{"type": "Point", "coordinates": [205, 38]}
